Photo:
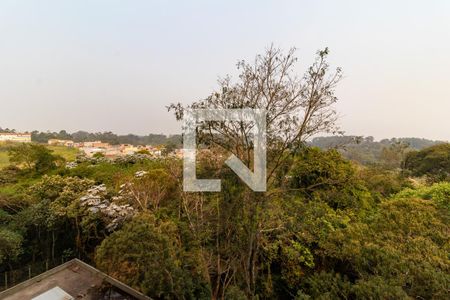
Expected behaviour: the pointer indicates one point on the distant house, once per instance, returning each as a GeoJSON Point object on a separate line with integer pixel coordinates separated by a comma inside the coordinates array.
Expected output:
{"type": "Point", "coordinates": [15, 137]}
{"type": "Point", "coordinates": [178, 153]}
{"type": "Point", "coordinates": [55, 142]}
{"type": "Point", "coordinates": [95, 144]}
{"type": "Point", "coordinates": [113, 151]}
{"type": "Point", "coordinates": [72, 280]}
{"type": "Point", "coordinates": [100, 145]}
{"type": "Point", "coordinates": [130, 150]}
{"type": "Point", "coordinates": [90, 151]}
{"type": "Point", "coordinates": [155, 151]}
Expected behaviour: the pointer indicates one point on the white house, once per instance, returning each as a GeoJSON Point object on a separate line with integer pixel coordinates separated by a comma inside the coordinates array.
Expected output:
{"type": "Point", "coordinates": [15, 137]}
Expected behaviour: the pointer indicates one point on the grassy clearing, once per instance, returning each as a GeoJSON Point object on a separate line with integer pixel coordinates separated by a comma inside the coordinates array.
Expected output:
{"type": "Point", "coordinates": [69, 154]}
{"type": "Point", "coordinates": [66, 152]}
{"type": "Point", "coordinates": [4, 160]}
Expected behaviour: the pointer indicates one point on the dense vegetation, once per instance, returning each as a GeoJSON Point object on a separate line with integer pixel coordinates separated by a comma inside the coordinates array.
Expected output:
{"type": "Point", "coordinates": [327, 227]}
{"type": "Point", "coordinates": [433, 162]}
{"type": "Point", "coordinates": [342, 231]}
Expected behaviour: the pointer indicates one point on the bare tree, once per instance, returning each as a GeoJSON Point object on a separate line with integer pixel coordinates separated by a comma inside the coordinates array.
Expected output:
{"type": "Point", "coordinates": [297, 107]}
{"type": "Point", "coordinates": [147, 191]}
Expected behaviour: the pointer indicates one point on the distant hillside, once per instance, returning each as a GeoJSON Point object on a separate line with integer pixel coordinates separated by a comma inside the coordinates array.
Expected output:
{"type": "Point", "coordinates": [367, 151]}
{"type": "Point", "coordinates": [338, 141]}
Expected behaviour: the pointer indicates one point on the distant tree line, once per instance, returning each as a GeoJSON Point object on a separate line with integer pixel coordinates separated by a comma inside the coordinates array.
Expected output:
{"type": "Point", "coordinates": [350, 146]}
{"type": "Point", "coordinates": [7, 130]}
{"type": "Point", "coordinates": [433, 162]}
{"type": "Point", "coordinates": [365, 150]}
{"type": "Point", "coordinates": [346, 140]}
{"type": "Point", "coordinates": [106, 137]}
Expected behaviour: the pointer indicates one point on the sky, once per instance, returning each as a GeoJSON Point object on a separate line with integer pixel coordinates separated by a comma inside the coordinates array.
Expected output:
{"type": "Point", "coordinates": [115, 65]}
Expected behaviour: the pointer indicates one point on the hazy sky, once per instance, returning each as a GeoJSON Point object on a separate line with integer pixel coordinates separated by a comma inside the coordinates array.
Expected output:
{"type": "Point", "coordinates": [115, 65]}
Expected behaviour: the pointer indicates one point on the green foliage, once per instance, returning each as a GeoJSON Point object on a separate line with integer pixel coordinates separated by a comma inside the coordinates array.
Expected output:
{"type": "Point", "coordinates": [4, 217]}
{"type": "Point", "coordinates": [439, 193]}
{"type": "Point", "coordinates": [9, 174]}
{"type": "Point", "coordinates": [68, 153]}
{"type": "Point", "coordinates": [59, 190]}
{"type": "Point", "coordinates": [14, 192]}
{"type": "Point", "coordinates": [293, 258]}
{"type": "Point", "coordinates": [98, 155]}
{"type": "Point", "coordinates": [169, 148]}
{"type": "Point", "coordinates": [323, 285]}
{"type": "Point", "coordinates": [327, 229]}
{"type": "Point", "coordinates": [433, 162]}
{"type": "Point", "coordinates": [369, 142]}
{"type": "Point", "coordinates": [10, 245]}
{"type": "Point", "coordinates": [397, 250]}
{"type": "Point", "coordinates": [143, 151]}
{"type": "Point", "coordinates": [147, 255]}
{"type": "Point", "coordinates": [53, 220]}
{"type": "Point", "coordinates": [112, 174]}
{"type": "Point", "coordinates": [405, 243]}
{"type": "Point", "coordinates": [377, 287]}
{"type": "Point", "coordinates": [391, 157]}
{"type": "Point", "coordinates": [4, 159]}
{"type": "Point", "coordinates": [383, 183]}
{"type": "Point", "coordinates": [366, 151]}
{"type": "Point", "coordinates": [326, 175]}
{"type": "Point", "coordinates": [34, 157]}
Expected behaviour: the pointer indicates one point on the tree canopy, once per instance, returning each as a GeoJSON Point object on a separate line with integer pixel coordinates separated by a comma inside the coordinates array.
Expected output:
{"type": "Point", "coordinates": [433, 162]}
